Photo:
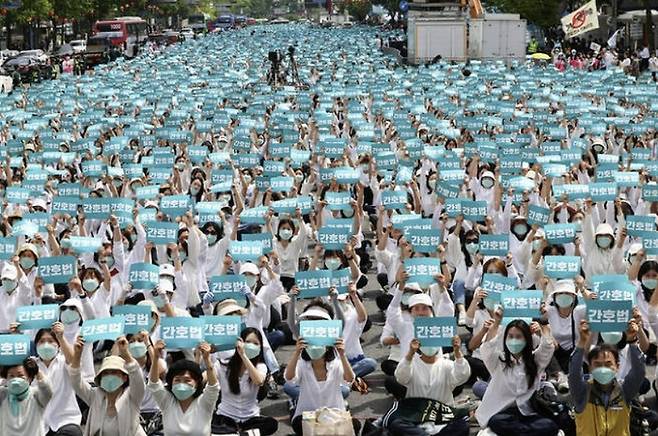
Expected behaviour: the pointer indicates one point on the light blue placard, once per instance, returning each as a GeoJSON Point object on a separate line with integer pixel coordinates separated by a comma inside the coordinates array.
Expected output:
{"type": "Point", "coordinates": [422, 270]}
{"type": "Point", "coordinates": [65, 205]}
{"type": "Point", "coordinates": [597, 280]}
{"type": "Point", "coordinates": [521, 304]}
{"type": "Point", "coordinates": [538, 215]}
{"type": "Point", "coordinates": [243, 251]}
{"type": "Point", "coordinates": [144, 276]}
{"type": "Point", "coordinates": [147, 192]}
{"type": "Point", "coordinates": [228, 286]}
{"type": "Point", "coordinates": [162, 232]}
{"type": "Point", "coordinates": [609, 315]}
{"type": "Point", "coordinates": [97, 208]}
{"type": "Point", "coordinates": [25, 228]}
{"type": "Point", "coordinates": [435, 331]}
{"type": "Point", "coordinates": [394, 199]}
{"type": "Point", "coordinates": [340, 279]}
{"type": "Point", "coordinates": [286, 205]}
{"type": "Point", "coordinates": [14, 349]}
{"type": "Point", "coordinates": [321, 332]}
{"type": "Point", "coordinates": [68, 189]}
{"type": "Point", "coordinates": [637, 225]}
{"type": "Point", "coordinates": [560, 233]}
{"type": "Point", "coordinates": [334, 238]}
{"type": "Point", "coordinates": [222, 331]}
{"type": "Point", "coordinates": [8, 247]}
{"type": "Point", "coordinates": [313, 284]}
{"type": "Point", "coordinates": [650, 192]}
{"type": "Point", "coordinates": [37, 317]}
{"type": "Point", "coordinates": [474, 210]}
{"type": "Point", "coordinates": [175, 205]}
{"type": "Point", "coordinates": [338, 200]}
{"type": "Point", "coordinates": [605, 191]}
{"type": "Point", "coordinates": [254, 215]}
{"type": "Point", "coordinates": [617, 290]}
{"type": "Point", "coordinates": [102, 329]}
{"type": "Point", "coordinates": [85, 244]}
{"type": "Point", "coordinates": [345, 175]}
{"type": "Point", "coordinates": [424, 241]}
{"type": "Point", "coordinates": [561, 267]}
{"type": "Point", "coordinates": [494, 245]}
{"type": "Point", "coordinates": [265, 239]}
{"type": "Point", "coordinates": [574, 191]}
{"type": "Point", "coordinates": [498, 283]}
{"type": "Point", "coordinates": [182, 332]}
{"type": "Point", "coordinates": [627, 179]}
{"type": "Point", "coordinates": [57, 269]}
{"type": "Point", "coordinates": [446, 190]}
{"type": "Point", "coordinates": [453, 207]}
{"type": "Point", "coordinates": [136, 318]}
{"type": "Point", "coordinates": [650, 242]}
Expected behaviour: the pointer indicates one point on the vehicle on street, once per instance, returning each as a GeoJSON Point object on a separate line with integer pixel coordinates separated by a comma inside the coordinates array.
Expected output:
{"type": "Point", "coordinates": [78, 45]}
{"type": "Point", "coordinates": [224, 22]}
{"type": "Point", "coordinates": [127, 33]}
{"type": "Point", "coordinates": [198, 22]}
{"type": "Point", "coordinates": [187, 32]}
{"type": "Point", "coordinates": [98, 50]}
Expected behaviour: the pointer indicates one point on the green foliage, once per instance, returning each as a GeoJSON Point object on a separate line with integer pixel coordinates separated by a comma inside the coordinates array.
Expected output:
{"type": "Point", "coordinates": [543, 13]}
{"type": "Point", "coordinates": [358, 9]}
{"type": "Point", "coordinates": [33, 10]}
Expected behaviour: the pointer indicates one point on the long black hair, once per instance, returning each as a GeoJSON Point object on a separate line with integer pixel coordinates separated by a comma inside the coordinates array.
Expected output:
{"type": "Point", "coordinates": [234, 365]}
{"type": "Point", "coordinates": [528, 358]}
{"type": "Point", "coordinates": [647, 265]}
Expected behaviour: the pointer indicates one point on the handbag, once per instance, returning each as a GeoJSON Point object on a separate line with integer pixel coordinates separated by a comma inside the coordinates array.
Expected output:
{"type": "Point", "coordinates": [327, 422]}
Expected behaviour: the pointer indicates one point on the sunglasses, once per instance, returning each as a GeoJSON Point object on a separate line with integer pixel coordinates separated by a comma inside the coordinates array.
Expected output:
{"type": "Point", "coordinates": [68, 308]}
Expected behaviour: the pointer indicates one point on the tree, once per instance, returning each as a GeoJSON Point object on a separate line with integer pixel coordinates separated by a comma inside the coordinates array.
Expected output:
{"type": "Point", "coordinates": [543, 13]}
{"type": "Point", "coordinates": [359, 9]}
{"type": "Point", "coordinates": [30, 14]}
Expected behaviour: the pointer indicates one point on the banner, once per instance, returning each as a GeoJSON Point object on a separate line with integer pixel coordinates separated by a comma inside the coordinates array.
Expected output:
{"type": "Point", "coordinates": [435, 331]}
{"type": "Point", "coordinates": [85, 244]}
{"type": "Point", "coordinates": [244, 251]}
{"type": "Point", "coordinates": [497, 283]}
{"type": "Point", "coordinates": [14, 349]}
{"type": "Point", "coordinates": [394, 199]}
{"type": "Point", "coordinates": [320, 332]}
{"type": "Point", "coordinates": [228, 286]}
{"type": "Point", "coordinates": [7, 247]}
{"type": "Point", "coordinates": [93, 330]}
{"type": "Point", "coordinates": [182, 331]}
{"type": "Point", "coordinates": [264, 239]}
{"type": "Point", "coordinates": [474, 210]}
{"type": "Point", "coordinates": [609, 316]}
{"type": "Point", "coordinates": [423, 240]}
{"type": "Point", "coordinates": [338, 200]}
{"type": "Point", "coordinates": [136, 318]}
{"type": "Point", "coordinates": [560, 233]}
{"type": "Point", "coordinates": [317, 283]}
{"type": "Point", "coordinates": [617, 290]}
{"type": "Point", "coordinates": [57, 269]}
{"type": "Point", "coordinates": [650, 243]}
{"type": "Point", "coordinates": [422, 270]}
{"type": "Point", "coordinates": [637, 225]}
{"type": "Point", "coordinates": [582, 20]}
{"type": "Point", "coordinates": [145, 276]}
{"type": "Point", "coordinates": [37, 317]}
{"type": "Point", "coordinates": [175, 205]}
{"type": "Point", "coordinates": [334, 238]}
{"type": "Point", "coordinates": [521, 304]}
{"type": "Point", "coordinates": [538, 215]}
{"type": "Point", "coordinates": [222, 331]}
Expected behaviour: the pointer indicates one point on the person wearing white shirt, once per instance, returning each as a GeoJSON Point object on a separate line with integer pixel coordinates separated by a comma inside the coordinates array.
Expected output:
{"type": "Point", "coordinates": [22, 406]}
{"type": "Point", "coordinates": [187, 406]}
{"type": "Point", "coordinates": [288, 246]}
{"type": "Point", "coordinates": [426, 375]}
{"type": "Point", "coordinates": [354, 316]}
{"type": "Point", "coordinates": [240, 380]}
{"type": "Point", "coordinates": [16, 292]}
{"type": "Point", "coordinates": [62, 416]}
{"type": "Point", "coordinates": [515, 369]}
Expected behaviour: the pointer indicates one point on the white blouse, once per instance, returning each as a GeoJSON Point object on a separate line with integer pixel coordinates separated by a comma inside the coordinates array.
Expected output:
{"type": "Point", "coordinates": [242, 406]}
{"type": "Point", "coordinates": [315, 394]}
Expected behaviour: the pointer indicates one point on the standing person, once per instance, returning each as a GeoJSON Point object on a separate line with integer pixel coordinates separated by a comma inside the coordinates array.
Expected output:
{"type": "Point", "coordinates": [21, 406]}
{"type": "Point", "coordinates": [602, 404]}
{"type": "Point", "coordinates": [186, 404]}
{"type": "Point", "coordinates": [653, 67]}
{"type": "Point", "coordinates": [115, 399]}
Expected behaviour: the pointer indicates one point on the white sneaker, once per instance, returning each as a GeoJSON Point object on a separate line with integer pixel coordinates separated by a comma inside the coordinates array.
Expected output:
{"type": "Point", "coordinates": [462, 318]}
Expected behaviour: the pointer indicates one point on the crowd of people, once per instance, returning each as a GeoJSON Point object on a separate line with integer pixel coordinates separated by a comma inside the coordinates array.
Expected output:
{"type": "Point", "coordinates": [374, 177]}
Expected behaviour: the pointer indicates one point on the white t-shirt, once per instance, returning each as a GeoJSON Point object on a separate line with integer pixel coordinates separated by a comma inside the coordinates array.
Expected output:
{"type": "Point", "coordinates": [193, 422]}
{"type": "Point", "coordinates": [244, 405]}
{"type": "Point", "coordinates": [63, 408]}
{"type": "Point", "coordinates": [561, 328]}
{"type": "Point", "coordinates": [352, 330]}
{"type": "Point", "coordinates": [432, 380]}
{"type": "Point", "coordinates": [315, 394]}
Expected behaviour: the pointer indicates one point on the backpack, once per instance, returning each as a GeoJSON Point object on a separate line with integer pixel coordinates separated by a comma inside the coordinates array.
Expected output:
{"type": "Point", "coordinates": [545, 402]}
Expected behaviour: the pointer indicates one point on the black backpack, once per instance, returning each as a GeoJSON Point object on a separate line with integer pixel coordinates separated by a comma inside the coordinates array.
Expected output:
{"type": "Point", "coordinates": [546, 403]}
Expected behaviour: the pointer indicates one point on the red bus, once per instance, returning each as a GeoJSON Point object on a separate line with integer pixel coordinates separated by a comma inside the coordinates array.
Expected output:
{"type": "Point", "coordinates": [128, 33]}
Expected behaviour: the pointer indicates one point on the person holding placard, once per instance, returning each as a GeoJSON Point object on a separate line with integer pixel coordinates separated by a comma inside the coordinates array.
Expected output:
{"type": "Point", "coordinates": [288, 242]}
{"type": "Point", "coordinates": [602, 404]}
{"type": "Point", "coordinates": [115, 399]}
{"type": "Point", "coordinates": [605, 255]}
{"type": "Point", "coordinates": [240, 381]}
{"type": "Point", "coordinates": [62, 415]}
{"type": "Point", "coordinates": [319, 375]}
{"type": "Point", "coordinates": [516, 368]}
{"type": "Point", "coordinates": [22, 406]}
{"type": "Point", "coordinates": [72, 313]}
{"type": "Point", "coordinates": [463, 246]}
{"type": "Point", "coordinates": [186, 404]}
{"type": "Point", "coordinates": [15, 292]}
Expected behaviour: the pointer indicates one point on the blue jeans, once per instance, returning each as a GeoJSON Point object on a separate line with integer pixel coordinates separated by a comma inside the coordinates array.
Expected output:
{"type": "Point", "coordinates": [292, 390]}
{"type": "Point", "coordinates": [362, 365]}
{"type": "Point", "coordinates": [276, 338]}
{"type": "Point", "coordinates": [459, 291]}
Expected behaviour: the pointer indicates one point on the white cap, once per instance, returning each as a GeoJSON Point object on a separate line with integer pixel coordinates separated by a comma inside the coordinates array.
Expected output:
{"type": "Point", "coordinates": [40, 202]}
{"type": "Point", "coordinates": [28, 247]}
{"type": "Point", "coordinates": [167, 269]}
{"type": "Point", "coordinates": [315, 312]}
{"type": "Point", "coordinates": [250, 268]}
{"type": "Point", "coordinates": [604, 229]}
{"type": "Point", "coordinates": [420, 299]}
{"type": "Point", "coordinates": [531, 174]}
{"type": "Point", "coordinates": [9, 272]}
{"type": "Point", "coordinates": [564, 287]}
{"type": "Point", "coordinates": [413, 286]}
{"type": "Point", "coordinates": [488, 174]}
